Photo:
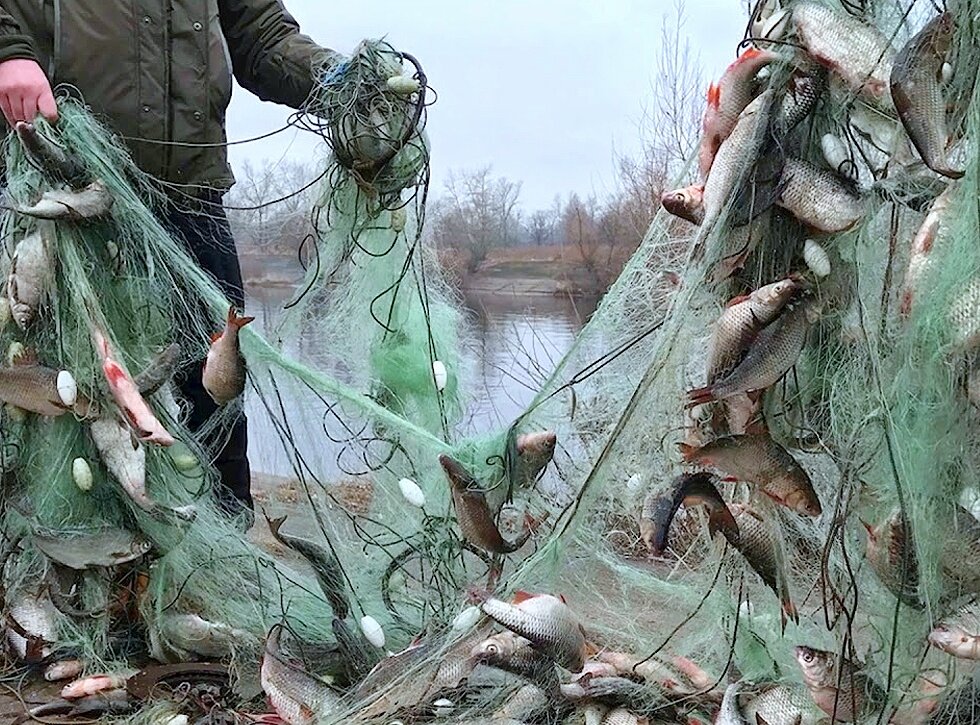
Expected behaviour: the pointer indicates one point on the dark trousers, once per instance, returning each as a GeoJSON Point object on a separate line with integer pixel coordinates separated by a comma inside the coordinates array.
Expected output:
{"type": "Point", "coordinates": [202, 225]}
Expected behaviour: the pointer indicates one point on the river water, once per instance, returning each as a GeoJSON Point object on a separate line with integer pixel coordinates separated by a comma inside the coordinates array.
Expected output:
{"type": "Point", "coordinates": [516, 341]}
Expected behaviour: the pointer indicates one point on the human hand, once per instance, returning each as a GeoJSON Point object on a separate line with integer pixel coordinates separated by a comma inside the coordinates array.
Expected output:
{"type": "Point", "coordinates": [25, 92]}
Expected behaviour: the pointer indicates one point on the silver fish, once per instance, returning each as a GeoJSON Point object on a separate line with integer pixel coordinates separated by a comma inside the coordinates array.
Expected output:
{"type": "Point", "coordinates": [108, 547]}
{"type": "Point", "coordinates": [819, 198]}
{"type": "Point", "coordinates": [54, 161]}
{"type": "Point", "coordinates": [92, 202]}
{"type": "Point", "coordinates": [298, 697]}
{"type": "Point", "coordinates": [34, 388]}
{"type": "Point", "coordinates": [686, 203]}
{"type": "Point", "coordinates": [512, 653]}
{"type": "Point", "coordinates": [63, 670]}
{"type": "Point", "coordinates": [917, 93]}
{"type": "Point", "coordinates": [763, 552]}
{"type": "Point", "coordinates": [859, 53]}
{"type": "Point", "coordinates": [546, 621]}
{"type": "Point", "coordinates": [920, 254]}
{"type": "Point", "coordinates": [31, 274]}
{"type": "Point", "coordinates": [32, 626]}
{"type": "Point", "coordinates": [124, 458]}
{"type": "Point", "coordinates": [781, 705]}
{"type": "Point", "coordinates": [735, 157]}
{"type": "Point", "coordinates": [189, 633]}
{"type": "Point", "coordinates": [730, 713]}
{"type": "Point", "coordinates": [856, 696]}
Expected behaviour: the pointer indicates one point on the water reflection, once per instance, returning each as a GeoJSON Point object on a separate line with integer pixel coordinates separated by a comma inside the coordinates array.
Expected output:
{"type": "Point", "coordinates": [515, 342]}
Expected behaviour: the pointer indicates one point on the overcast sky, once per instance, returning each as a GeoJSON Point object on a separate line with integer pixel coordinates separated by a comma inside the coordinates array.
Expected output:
{"type": "Point", "coordinates": [543, 90]}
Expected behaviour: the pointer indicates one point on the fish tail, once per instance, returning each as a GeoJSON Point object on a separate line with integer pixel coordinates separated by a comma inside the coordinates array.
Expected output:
{"type": "Point", "coordinates": [789, 610]}
{"type": "Point", "coordinates": [700, 396]}
{"type": "Point", "coordinates": [235, 320]}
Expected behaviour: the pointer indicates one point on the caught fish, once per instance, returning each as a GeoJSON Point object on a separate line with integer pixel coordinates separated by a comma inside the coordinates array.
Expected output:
{"type": "Point", "coordinates": [31, 274]}
{"type": "Point", "coordinates": [805, 87]}
{"type": "Point", "coordinates": [690, 489]}
{"type": "Point", "coordinates": [159, 371]}
{"type": "Point", "coordinates": [32, 626]}
{"type": "Point", "coordinates": [735, 157]}
{"type": "Point", "coordinates": [856, 51]}
{"type": "Point", "coordinates": [54, 162]}
{"type": "Point", "coordinates": [929, 691]}
{"type": "Point", "coordinates": [127, 396]}
{"type": "Point", "coordinates": [726, 100]}
{"type": "Point", "coordinates": [916, 87]}
{"type": "Point", "coordinates": [329, 574]}
{"type": "Point", "coordinates": [63, 670]}
{"type": "Point", "coordinates": [544, 620]}
{"type": "Point", "coordinates": [34, 388]}
{"type": "Point", "coordinates": [780, 705]}
{"type": "Point", "coordinates": [741, 322]}
{"type": "Point", "coordinates": [92, 202]}
{"type": "Point", "coordinates": [686, 203]}
{"type": "Point", "coordinates": [891, 554]}
{"type": "Point", "coordinates": [529, 703]}
{"type": "Point", "coordinates": [622, 716]}
{"type": "Point", "coordinates": [123, 457]}
{"type": "Point", "coordinates": [821, 199]}
{"type": "Point", "coordinates": [960, 552]}
{"type": "Point", "coordinates": [959, 633]}
{"type": "Point", "coordinates": [108, 547]}
{"type": "Point", "coordinates": [534, 452]}
{"type": "Point", "coordinates": [763, 552]}
{"type": "Point", "coordinates": [730, 713]}
{"type": "Point", "coordinates": [473, 514]}
{"type": "Point", "coordinates": [758, 459]}
{"type": "Point", "coordinates": [857, 695]}
{"type": "Point", "coordinates": [673, 677]}
{"type": "Point", "coordinates": [772, 354]}
{"type": "Point", "coordinates": [224, 367]}
{"type": "Point", "coordinates": [512, 653]}
{"type": "Point", "coordinates": [922, 246]}
{"type": "Point", "coordinates": [297, 697]}
{"type": "Point", "coordinates": [95, 684]}
{"type": "Point", "coordinates": [190, 633]}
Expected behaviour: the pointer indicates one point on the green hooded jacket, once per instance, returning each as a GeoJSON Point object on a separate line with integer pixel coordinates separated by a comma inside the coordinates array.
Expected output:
{"type": "Point", "coordinates": [160, 71]}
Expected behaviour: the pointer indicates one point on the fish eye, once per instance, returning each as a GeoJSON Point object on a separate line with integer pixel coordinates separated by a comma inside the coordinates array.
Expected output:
{"type": "Point", "coordinates": [492, 649]}
{"type": "Point", "coordinates": [808, 656]}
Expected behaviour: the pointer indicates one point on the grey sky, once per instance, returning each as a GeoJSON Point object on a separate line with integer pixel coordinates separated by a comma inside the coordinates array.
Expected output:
{"type": "Point", "coordinates": [544, 90]}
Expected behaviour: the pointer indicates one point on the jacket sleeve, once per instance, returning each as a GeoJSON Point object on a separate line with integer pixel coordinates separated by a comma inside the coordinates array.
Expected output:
{"type": "Point", "coordinates": [14, 43]}
{"type": "Point", "coordinates": [270, 57]}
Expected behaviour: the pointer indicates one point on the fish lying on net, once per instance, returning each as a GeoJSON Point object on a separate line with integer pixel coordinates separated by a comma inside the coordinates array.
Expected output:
{"type": "Point", "coordinates": [764, 553]}
{"type": "Point", "coordinates": [821, 199]}
{"type": "Point", "coordinates": [296, 696]}
{"type": "Point", "coordinates": [915, 88]}
{"type": "Point", "coordinates": [838, 686]}
{"type": "Point", "coordinates": [891, 554]}
{"type": "Point", "coordinates": [108, 547]}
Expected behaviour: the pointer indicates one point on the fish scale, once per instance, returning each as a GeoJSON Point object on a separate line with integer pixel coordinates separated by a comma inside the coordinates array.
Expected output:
{"type": "Point", "coordinates": [763, 552]}
{"type": "Point", "coordinates": [856, 696]}
{"type": "Point", "coordinates": [859, 53]}
{"type": "Point", "coordinates": [298, 698]}
{"type": "Point", "coordinates": [918, 96]}
{"type": "Point", "coordinates": [820, 198]}
{"type": "Point", "coordinates": [759, 460]}
{"type": "Point", "coordinates": [890, 550]}
{"type": "Point", "coordinates": [742, 321]}
{"type": "Point", "coordinates": [959, 633]}
{"type": "Point", "coordinates": [781, 705]}
{"type": "Point", "coordinates": [660, 507]}
{"type": "Point", "coordinates": [773, 352]}
{"type": "Point", "coordinates": [547, 622]}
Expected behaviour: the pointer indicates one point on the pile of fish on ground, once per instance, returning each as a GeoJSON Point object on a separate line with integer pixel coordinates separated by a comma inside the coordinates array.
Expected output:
{"type": "Point", "coordinates": [761, 457]}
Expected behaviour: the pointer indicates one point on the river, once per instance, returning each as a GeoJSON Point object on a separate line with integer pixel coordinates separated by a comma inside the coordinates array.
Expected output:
{"type": "Point", "coordinates": [516, 341]}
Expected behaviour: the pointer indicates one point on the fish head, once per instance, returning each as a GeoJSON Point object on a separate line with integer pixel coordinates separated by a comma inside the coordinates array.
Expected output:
{"type": "Point", "coordinates": [542, 442]}
{"type": "Point", "coordinates": [802, 502]}
{"type": "Point", "coordinates": [817, 666]}
{"type": "Point", "coordinates": [946, 635]}
{"type": "Point", "coordinates": [458, 476]}
{"type": "Point", "coordinates": [496, 648]}
{"type": "Point", "coordinates": [686, 203]}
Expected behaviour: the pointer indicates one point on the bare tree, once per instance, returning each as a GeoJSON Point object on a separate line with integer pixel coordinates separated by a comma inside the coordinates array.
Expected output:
{"type": "Point", "coordinates": [541, 226]}
{"type": "Point", "coordinates": [269, 208]}
{"type": "Point", "coordinates": [479, 212]}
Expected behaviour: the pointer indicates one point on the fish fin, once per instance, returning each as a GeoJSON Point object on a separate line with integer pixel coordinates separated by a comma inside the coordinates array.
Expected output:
{"type": "Point", "coordinates": [477, 595]}
{"type": "Point", "coordinates": [522, 596]}
{"type": "Point", "coordinates": [736, 300]}
{"type": "Point", "coordinates": [756, 427]}
{"type": "Point", "coordinates": [700, 396]}
{"type": "Point", "coordinates": [561, 598]}
{"type": "Point", "coordinates": [723, 521]}
{"type": "Point", "coordinates": [714, 95]}
{"type": "Point", "coordinates": [759, 720]}
{"type": "Point", "coordinates": [215, 336]}
{"type": "Point", "coordinates": [789, 610]}
{"type": "Point", "coordinates": [274, 524]}
{"type": "Point", "coordinates": [25, 356]}
{"type": "Point", "coordinates": [236, 320]}
{"type": "Point", "coordinates": [688, 452]}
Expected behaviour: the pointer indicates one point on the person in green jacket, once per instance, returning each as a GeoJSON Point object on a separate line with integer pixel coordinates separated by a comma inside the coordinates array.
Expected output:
{"type": "Point", "coordinates": [160, 73]}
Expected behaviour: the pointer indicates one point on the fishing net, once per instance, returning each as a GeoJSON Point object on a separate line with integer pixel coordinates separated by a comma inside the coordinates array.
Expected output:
{"type": "Point", "coordinates": [877, 410]}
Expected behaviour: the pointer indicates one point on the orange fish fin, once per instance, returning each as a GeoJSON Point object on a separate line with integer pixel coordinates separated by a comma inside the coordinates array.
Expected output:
{"type": "Point", "coordinates": [714, 95]}
{"type": "Point", "coordinates": [736, 300]}
{"type": "Point", "coordinates": [522, 596]}
{"type": "Point", "coordinates": [749, 54]}
{"type": "Point", "coordinates": [25, 356]}
{"type": "Point", "coordinates": [215, 336]}
{"type": "Point", "coordinates": [236, 320]}
{"type": "Point", "coordinates": [561, 598]}
{"type": "Point", "coordinates": [699, 396]}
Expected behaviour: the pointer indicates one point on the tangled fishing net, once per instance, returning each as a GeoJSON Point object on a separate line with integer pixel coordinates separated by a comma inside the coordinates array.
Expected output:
{"type": "Point", "coordinates": [839, 606]}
